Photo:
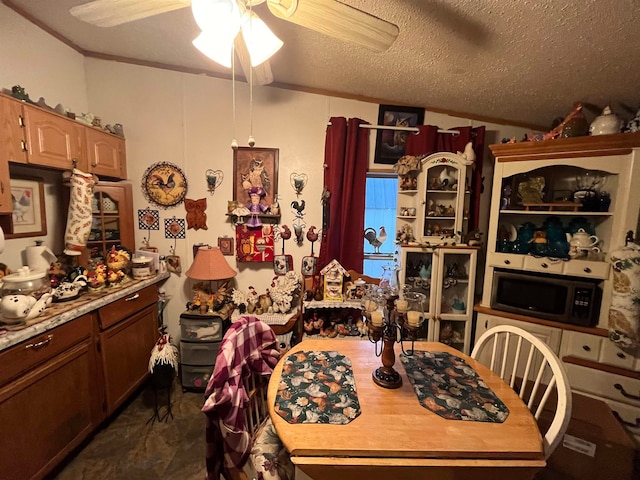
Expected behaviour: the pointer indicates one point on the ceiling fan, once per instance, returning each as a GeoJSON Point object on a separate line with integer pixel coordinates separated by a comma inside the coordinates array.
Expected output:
{"type": "Point", "coordinates": [329, 17]}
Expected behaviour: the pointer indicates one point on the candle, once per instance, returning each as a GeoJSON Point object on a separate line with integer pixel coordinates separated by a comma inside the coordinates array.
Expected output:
{"type": "Point", "coordinates": [402, 305]}
{"type": "Point", "coordinates": [376, 318]}
{"type": "Point", "coordinates": [369, 305]}
{"type": "Point", "coordinates": [414, 318]}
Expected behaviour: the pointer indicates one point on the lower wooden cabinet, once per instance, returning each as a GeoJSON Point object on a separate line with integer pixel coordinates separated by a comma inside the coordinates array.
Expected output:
{"type": "Point", "coordinates": [56, 388]}
{"type": "Point", "coordinates": [47, 412]}
{"type": "Point", "coordinates": [125, 349]}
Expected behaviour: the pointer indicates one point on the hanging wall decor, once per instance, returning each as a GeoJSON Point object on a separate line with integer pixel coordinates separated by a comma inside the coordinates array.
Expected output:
{"type": "Point", "coordinates": [282, 263]}
{"type": "Point", "coordinates": [391, 143]}
{"type": "Point", "coordinates": [298, 181]}
{"type": "Point", "coordinates": [255, 167]}
{"type": "Point", "coordinates": [148, 220]}
{"type": "Point", "coordinates": [174, 228]}
{"type": "Point", "coordinates": [164, 184]}
{"type": "Point", "coordinates": [225, 244]}
{"type": "Point", "coordinates": [196, 216]}
{"type": "Point", "coordinates": [254, 244]}
{"type": "Point", "coordinates": [214, 180]}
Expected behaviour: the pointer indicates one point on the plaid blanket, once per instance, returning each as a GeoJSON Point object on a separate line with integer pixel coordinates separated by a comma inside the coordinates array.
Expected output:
{"type": "Point", "coordinates": [248, 346]}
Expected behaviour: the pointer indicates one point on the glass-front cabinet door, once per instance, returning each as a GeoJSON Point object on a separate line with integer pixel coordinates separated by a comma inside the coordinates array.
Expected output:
{"type": "Point", "coordinates": [453, 297]}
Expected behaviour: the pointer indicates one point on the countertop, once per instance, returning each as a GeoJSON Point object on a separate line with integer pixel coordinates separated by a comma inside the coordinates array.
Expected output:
{"type": "Point", "coordinates": [59, 313]}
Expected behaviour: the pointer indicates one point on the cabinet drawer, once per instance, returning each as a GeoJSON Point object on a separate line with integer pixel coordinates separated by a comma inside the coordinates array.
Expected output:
{"type": "Point", "coordinates": [586, 269]}
{"type": "Point", "coordinates": [543, 265]}
{"type": "Point", "coordinates": [199, 328]}
{"type": "Point", "coordinates": [199, 353]}
{"type": "Point", "coordinates": [36, 350]}
{"type": "Point", "coordinates": [582, 345]}
{"type": "Point", "coordinates": [127, 306]}
{"type": "Point", "coordinates": [604, 384]}
{"type": "Point", "coordinates": [195, 377]}
{"type": "Point", "coordinates": [505, 260]}
{"type": "Point", "coordinates": [612, 355]}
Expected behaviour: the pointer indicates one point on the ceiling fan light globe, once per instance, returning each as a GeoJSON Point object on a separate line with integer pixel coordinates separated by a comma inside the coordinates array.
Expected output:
{"type": "Point", "coordinates": [216, 14]}
{"type": "Point", "coordinates": [217, 47]}
{"type": "Point", "coordinates": [261, 42]}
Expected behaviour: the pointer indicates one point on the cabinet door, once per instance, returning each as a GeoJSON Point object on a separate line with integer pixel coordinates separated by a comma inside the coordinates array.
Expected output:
{"type": "Point", "coordinates": [112, 222]}
{"type": "Point", "coordinates": [54, 141]}
{"type": "Point", "coordinates": [46, 413]}
{"type": "Point", "coordinates": [12, 147]}
{"type": "Point", "coordinates": [452, 297]}
{"type": "Point", "coordinates": [107, 155]}
{"type": "Point", "coordinates": [125, 349]}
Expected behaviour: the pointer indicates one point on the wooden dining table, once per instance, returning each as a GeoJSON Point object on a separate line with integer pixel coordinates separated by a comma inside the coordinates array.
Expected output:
{"type": "Point", "coordinates": [396, 438]}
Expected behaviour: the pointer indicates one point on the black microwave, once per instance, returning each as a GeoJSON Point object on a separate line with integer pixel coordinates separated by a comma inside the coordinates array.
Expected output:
{"type": "Point", "coordinates": [558, 298]}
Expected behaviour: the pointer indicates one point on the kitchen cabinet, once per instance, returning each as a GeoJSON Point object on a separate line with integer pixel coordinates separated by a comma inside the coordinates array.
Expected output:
{"type": "Point", "coordinates": [36, 136]}
{"type": "Point", "coordinates": [446, 276]}
{"type": "Point", "coordinates": [51, 403]}
{"type": "Point", "coordinates": [12, 147]}
{"type": "Point", "coordinates": [583, 182]}
{"type": "Point", "coordinates": [53, 140]}
{"type": "Point", "coordinates": [106, 154]}
{"type": "Point", "coordinates": [435, 205]}
{"type": "Point", "coordinates": [112, 223]}
{"type": "Point", "coordinates": [128, 332]}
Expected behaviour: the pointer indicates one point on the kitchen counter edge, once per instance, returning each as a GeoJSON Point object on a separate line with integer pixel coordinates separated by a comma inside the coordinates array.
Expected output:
{"type": "Point", "coordinates": [12, 338]}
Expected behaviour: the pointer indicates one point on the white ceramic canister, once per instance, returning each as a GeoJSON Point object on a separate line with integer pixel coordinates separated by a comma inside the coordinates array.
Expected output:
{"type": "Point", "coordinates": [142, 267]}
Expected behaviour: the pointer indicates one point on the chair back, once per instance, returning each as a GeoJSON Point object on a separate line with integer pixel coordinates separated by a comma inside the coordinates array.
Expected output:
{"type": "Point", "coordinates": [534, 371]}
{"type": "Point", "coordinates": [255, 386]}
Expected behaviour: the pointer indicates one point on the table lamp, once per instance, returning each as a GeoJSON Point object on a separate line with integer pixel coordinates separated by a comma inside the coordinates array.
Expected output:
{"type": "Point", "coordinates": [210, 264]}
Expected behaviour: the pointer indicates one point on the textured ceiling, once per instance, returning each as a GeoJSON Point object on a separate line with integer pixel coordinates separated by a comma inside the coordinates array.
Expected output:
{"type": "Point", "coordinates": [523, 62]}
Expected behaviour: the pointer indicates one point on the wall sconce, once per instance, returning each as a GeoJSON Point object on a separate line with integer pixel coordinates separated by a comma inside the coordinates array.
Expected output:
{"type": "Point", "coordinates": [214, 180]}
{"type": "Point", "coordinates": [298, 182]}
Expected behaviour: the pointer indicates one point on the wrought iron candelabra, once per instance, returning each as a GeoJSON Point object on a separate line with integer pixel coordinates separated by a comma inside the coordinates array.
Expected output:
{"type": "Point", "coordinates": [391, 319]}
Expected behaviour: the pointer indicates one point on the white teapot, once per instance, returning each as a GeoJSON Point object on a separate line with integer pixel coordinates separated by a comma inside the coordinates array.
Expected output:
{"type": "Point", "coordinates": [581, 242]}
{"type": "Point", "coordinates": [23, 307]}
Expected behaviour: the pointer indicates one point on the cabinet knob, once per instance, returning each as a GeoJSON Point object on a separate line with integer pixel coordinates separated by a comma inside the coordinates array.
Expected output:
{"type": "Point", "coordinates": [621, 355]}
{"type": "Point", "coordinates": [587, 270]}
{"type": "Point", "coordinates": [23, 145]}
{"type": "Point", "coordinates": [617, 386]}
{"type": "Point", "coordinates": [507, 262]}
{"type": "Point", "coordinates": [544, 265]}
{"type": "Point", "coordinates": [586, 348]}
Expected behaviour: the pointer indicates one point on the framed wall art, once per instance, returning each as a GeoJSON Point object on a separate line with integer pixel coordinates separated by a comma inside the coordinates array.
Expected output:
{"type": "Point", "coordinates": [226, 245]}
{"type": "Point", "coordinates": [255, 167]}
{"type": "Point", "coordinates": [29, 218]}
{"type": "Point", "coordinates": [390, 144]}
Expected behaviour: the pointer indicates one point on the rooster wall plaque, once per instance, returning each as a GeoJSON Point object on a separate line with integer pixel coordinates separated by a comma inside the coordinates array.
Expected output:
{"type": "Point", "coordinates": [164, 184]}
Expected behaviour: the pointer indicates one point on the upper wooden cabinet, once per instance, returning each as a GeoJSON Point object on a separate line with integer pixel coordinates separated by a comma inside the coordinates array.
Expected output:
{"type": "Point", "coordinates": [107, 154]}
{"type": "Point", "coordinates": [12, 147]}
{"type": "Point", "coordinates": [30, 134]}
{"type": "Point", "coordinates": [54, 141]}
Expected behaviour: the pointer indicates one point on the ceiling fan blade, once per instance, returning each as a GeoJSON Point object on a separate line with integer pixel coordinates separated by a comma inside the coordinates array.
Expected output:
{"type": "Point", "coordinates": [337, 20]}
{"type": "Point", "coordinates": [262, 74]}
{"type": "Point", "coordinates": [109, 13]}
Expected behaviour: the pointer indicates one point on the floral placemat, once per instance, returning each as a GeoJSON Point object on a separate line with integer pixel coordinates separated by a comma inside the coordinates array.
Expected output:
{"type": "Point", "coordinates": [317, 387]}
{"type": "Point", "coordinates": [448, 386]}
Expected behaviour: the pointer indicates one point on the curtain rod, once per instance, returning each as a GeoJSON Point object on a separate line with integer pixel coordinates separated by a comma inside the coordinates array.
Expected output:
{"type": "Point", "coordinates": [403, 129]}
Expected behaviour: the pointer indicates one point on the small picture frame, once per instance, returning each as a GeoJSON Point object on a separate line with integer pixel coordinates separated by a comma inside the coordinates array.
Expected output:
{"type": "Point", "coordinates": [226, 245]}
{"type": "Point", "coordinates": [29, 218]}
{"type": "Point", "coordinates": [255, 167]}
{"type": "Point", "coordinates": [282, 264]}
{"type": "Point", "coordinates": [309, 266]}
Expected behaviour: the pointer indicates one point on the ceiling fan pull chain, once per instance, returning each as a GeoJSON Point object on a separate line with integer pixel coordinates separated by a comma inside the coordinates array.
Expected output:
{"type": "Point", "coordinates": [234, 142]}
{"type": "Point", "coordinates": [251, 141]}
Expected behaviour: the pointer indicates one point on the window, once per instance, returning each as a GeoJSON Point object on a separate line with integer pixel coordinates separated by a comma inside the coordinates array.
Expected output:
{"type": "Point", "coordinates": [380, 213]}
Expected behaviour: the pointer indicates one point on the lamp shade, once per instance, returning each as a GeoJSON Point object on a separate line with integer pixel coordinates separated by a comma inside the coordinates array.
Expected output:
{"type": "Point", "coordinates": [210, 264]}
{"type": "Point", "coordinates": [261, 42]}
{"type": "Point", "coordinates": [212, 15]}
{"type": "Point", "coordinates": [218, 48]}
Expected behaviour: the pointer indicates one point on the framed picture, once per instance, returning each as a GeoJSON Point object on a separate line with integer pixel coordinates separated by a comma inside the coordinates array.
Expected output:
{"type": "Point", "coordinates": [226, 245]}
{"type": "Point", "coordinates": [29, 218]}
{"type": "Point", "coordinates": [255, 167]}
{"type": "Point", "coordinates": [390, 144]}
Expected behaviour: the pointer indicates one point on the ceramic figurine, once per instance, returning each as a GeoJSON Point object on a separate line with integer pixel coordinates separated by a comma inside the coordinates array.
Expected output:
{"type": "Point", "coordinates": [634, 124]}
{"type": "Point", "coordinates": [256, 206]}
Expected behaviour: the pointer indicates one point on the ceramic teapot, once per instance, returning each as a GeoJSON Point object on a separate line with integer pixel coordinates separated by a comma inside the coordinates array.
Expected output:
{"type": "Point", "coordinates": [581, 239]}
{"type": "Point", "coordinates": [23, 307]}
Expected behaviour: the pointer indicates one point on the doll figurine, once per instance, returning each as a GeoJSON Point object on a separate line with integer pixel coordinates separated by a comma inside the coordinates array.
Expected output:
{"type": "Point", "coordinates": [255, 206]}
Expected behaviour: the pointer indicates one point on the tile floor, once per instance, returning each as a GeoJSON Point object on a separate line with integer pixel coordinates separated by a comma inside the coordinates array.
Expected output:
{"type": "Point", "coordinates": [130, 448]}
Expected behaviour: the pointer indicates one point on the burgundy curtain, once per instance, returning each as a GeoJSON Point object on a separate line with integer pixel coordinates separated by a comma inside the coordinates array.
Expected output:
{"type": "Point", "coordinates": [346, 158]}
{"type": "Point", "coordinates": [429, 141]}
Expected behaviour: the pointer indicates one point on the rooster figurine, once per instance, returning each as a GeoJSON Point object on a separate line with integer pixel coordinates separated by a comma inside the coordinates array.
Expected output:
{"type": "Point", "coordinates": [376, 240]}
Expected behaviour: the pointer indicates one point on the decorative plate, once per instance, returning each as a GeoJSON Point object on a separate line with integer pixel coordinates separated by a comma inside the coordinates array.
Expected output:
{"type": "Point", "coordinates": [164, 184]}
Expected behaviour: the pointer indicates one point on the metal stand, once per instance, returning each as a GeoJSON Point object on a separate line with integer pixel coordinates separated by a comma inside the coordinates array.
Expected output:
{"type": "Point", "coordinates": [161, 382]}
